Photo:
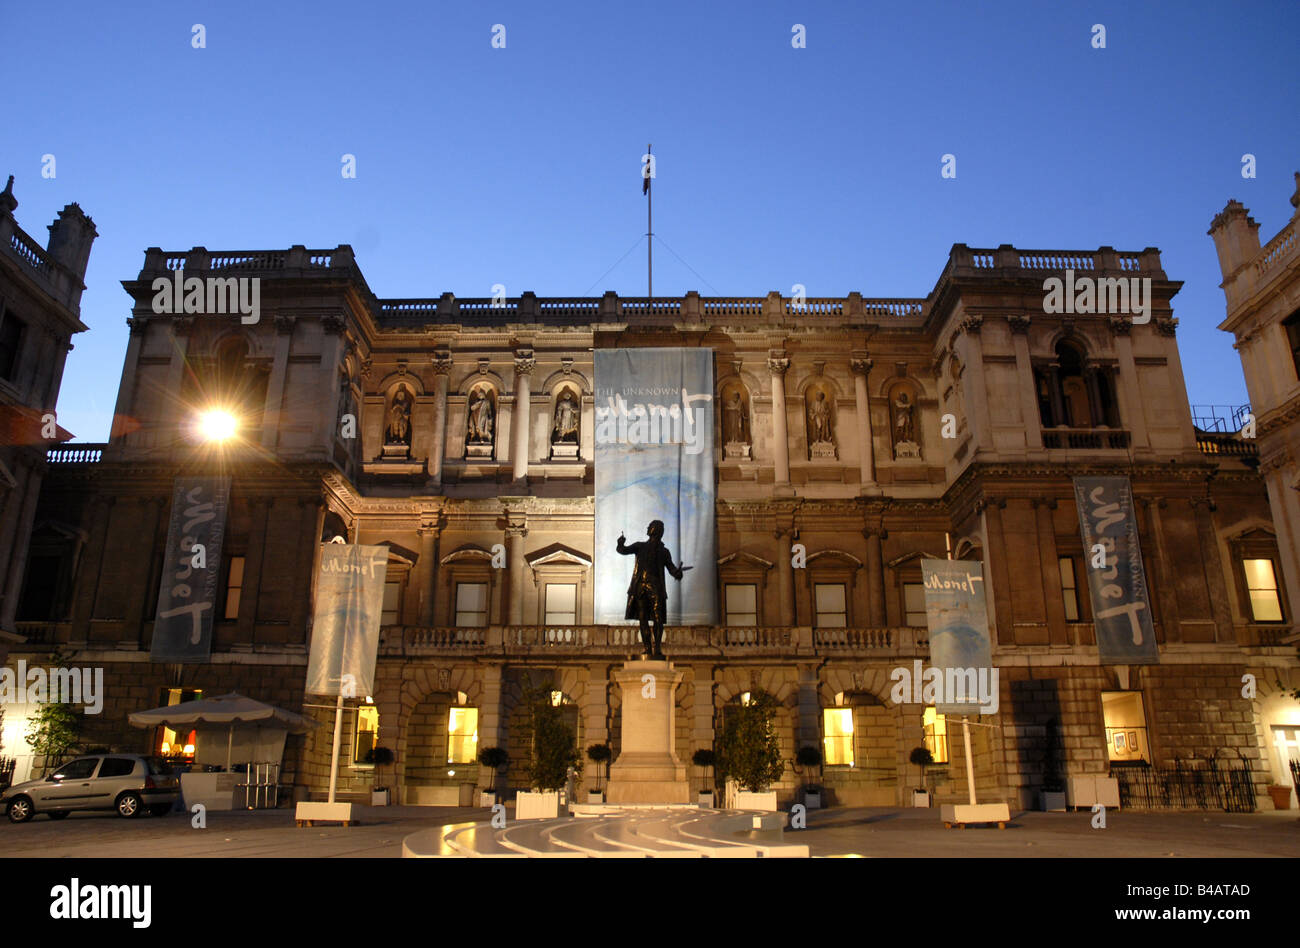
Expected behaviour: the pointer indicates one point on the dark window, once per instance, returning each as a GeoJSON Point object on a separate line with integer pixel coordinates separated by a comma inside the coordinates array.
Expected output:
{"type": "Point", "coordinates": [1292, 326]}
{"type": "Point", "coordinates": [40, 588]}
{"type": "Point", "coordinates": [11, 338]}
{"type": "Point", "coordinates": [79, 769]}
{"type": "Point", "coordinates": [116, 767]}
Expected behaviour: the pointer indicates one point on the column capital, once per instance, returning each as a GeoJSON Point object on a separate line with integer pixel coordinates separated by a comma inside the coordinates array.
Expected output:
{"type": "Point", "coordinates": [860, 364]}
{"type": "Point", "coordinates": [182, 325]}
{"type": "Point", "coordinates": [778, 365]}
{"type": "Point", "coordinates": [972, 324]}
{"type": "Point", "coordinates": [1019, 324]}
{"type": "Point", "coordinates": [1167, 327]}
{"type": "Point", "coordinates": [441, 362]}
{"type": "Point", "coordinates": [138, 325]}
{"type": "Point", "coordinates": [524, 362]}
{"type": "Point", "coordinates": [282, 323]}
{"type": "Point", "coordinates": [334, 325]}
{"type": "Point", "coordinates": [1120, 325]}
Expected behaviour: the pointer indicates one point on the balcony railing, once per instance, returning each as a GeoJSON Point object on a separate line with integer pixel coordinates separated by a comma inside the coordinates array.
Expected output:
{"type": "Point", "coordinates": [75, 453]}
{"type": "Point", "coordinates": [1230, 445]}
{"type": "Point", "coordinates": [1080, 439]}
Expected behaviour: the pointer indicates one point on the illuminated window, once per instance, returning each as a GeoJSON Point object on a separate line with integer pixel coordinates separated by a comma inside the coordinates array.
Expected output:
{"type": "Point", "coordinates": [367, 734]}
{"type": "Point", "coordinates": [1069, 588]}
{"type": "Point", "coordinates": [234, 587]}
{"type": "Point", "coordinates": [742, 604]}
{"type": "Point", "coordinates": [838, 742]}
{"type": "Point", "coordinates": [561, 604]}
{"type": "Point", "coordinates": [1126, 726]}
{"type": "Point", "coordinates": [462, 736]}
{"type": "Point", "coordinates": [1261, 581]}
{"type": "Point", "coordinates": [471, 604]}
{"type": "Point", "coordinates": [936, 735]}
{"type": "Point", "coordinates": [829, 605]}
{"type": "Point", "coordinates": [166, 741]}
{"type": "Point", "coordinates": [914, 604]}
{"type": "Point", "coordinates": [392, 604]}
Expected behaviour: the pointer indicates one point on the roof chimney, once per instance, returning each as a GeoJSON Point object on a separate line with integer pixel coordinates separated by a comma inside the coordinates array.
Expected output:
{"type": "Point", "coordinates": [1236, 238]}
{"type": "Point", "coordinates": [71, 235]}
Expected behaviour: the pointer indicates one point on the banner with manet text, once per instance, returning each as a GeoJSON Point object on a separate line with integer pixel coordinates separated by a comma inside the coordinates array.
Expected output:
{"type": "Point", "coordinates": [960, 649]}
{"type": "Point", "coordinates": [187, 595]}
{"type": "Point", "coordinates": [1121, 611]}
{"type": "Point", "coordinates": [654, 461]}
{"type": "Point", "coordinates": [349, 607]}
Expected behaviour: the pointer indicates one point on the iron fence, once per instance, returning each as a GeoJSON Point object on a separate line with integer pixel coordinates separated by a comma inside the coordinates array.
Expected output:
{"type": "Point", "coordinates": [1204, 783]}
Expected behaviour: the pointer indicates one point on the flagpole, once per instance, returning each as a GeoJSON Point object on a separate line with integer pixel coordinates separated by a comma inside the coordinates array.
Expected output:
{"type": "Point", "coordinates": [650, 230]}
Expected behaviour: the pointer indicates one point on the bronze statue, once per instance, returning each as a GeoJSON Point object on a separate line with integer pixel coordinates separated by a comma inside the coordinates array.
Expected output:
{"type": "Point", "coordinates": [647, 594]}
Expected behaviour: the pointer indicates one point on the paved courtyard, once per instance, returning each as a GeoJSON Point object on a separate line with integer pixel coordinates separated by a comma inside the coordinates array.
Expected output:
{"type": "Point", "coordinates": [851, 831]}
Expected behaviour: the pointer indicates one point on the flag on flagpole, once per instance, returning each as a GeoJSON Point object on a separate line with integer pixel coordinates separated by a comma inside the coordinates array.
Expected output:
{"type": "Point", "coordinates": [645, 171]}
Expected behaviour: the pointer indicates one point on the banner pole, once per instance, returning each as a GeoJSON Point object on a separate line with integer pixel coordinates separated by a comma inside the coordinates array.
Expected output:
{"type": "Point", "coordinates": [338, 734]}
{"type": "Point", "coordinates": [970, 764]}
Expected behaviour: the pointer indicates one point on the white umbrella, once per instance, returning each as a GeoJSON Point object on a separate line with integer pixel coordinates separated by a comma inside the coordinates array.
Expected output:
{"type": "Point", "coordinates": [228, 709]}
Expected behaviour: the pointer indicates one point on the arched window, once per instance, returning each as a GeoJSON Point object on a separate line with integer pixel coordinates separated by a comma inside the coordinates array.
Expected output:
{"type": "Point", "coordinates": [1074, 392]}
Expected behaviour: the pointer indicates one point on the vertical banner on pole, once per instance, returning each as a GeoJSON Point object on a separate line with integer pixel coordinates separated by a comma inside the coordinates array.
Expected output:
{"type": "Point", "coordinates": [1117, 583]}
{"type": "Point", "coordinates": [345, 632]}
{"type": "Point", "coordinates": [187, 595]}
{"type": "Point", "coordinates": [654, 461]}
{"type": "Point", "coordinates": [960, 650]}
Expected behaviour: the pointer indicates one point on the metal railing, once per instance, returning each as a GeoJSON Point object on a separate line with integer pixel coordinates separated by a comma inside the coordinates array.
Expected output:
{"type": "Point", "coordinates": [1202, 783]}
{"type": "Point", "coordinates": [1085, 438]}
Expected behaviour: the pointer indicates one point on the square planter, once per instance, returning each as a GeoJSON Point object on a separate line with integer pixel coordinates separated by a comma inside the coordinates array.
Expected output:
{"type": "Point", "coordinates": [1281, 797]}
{"type": "Point", "coordinates": [706, 800]}
{"type": "Point", "coordinates": [812, 801]}
{"type": "Point", "coordinates": [752, 800]}
{"type": "Point", "coordinates": [537, 806]}
{"type": "Point", "coordinates": [379, 797]}
{"type": "Point", "coordinates": [595, 796]}
{"type": "Point", "coordinates": [487, 799]}
{"type": "Point", "coordinates": [1050, 801]}
{"type": "Point", "coordinates": [920, 799]}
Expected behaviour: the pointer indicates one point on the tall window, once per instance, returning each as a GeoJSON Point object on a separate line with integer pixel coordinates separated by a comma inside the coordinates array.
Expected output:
{"type": "Point", "coordinates": [1126, 726]}
{"type": "Point", "coordinates": [11, 337]}
{"type": "Point", "coordinates": [234, 588]}
{"type": "Point", "coordinates": [392, 611]}
{"type": "Point", "coordinates": [1069, 588]}
{"type": "Point", "coordinates": [830, 606]}
{"type": "Point", "coordinates": [914, 604]}
{"type": "Point", "coordinates": [367, 735]}
{"type": "Point", "coordinates": [742, 604]}
{"type": "Point", "coordinates": [1261, 581]}
{"type": "Point", "coordinates": [471, 604]}
{"type": "Point", "coordinates": [936, 735]}
{"type": "Point", "coordinates": [561, 604]}
{"type": "Point", "coordinates": [1073, 393]}
{"type": "Point", "coordinates": [837, 724]}
{"type": "Point", "coordinates": [462, 735]}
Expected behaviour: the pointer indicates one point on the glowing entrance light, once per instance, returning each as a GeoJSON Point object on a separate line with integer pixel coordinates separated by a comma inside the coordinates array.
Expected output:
{"type": "Point", "coordinates": [217, 425]}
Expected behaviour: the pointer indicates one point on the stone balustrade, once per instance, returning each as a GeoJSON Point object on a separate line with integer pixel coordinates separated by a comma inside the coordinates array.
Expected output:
{"type": "Point", "coordinates": [57, 280]}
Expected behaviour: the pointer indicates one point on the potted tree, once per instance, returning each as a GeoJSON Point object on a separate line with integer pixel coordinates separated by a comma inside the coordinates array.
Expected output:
{"type": "Point", "coordinates": [554, 756]}
{"type": "Point", "coordinates": [598, 754]}
{"type": "Point", "coordinates": [810, 756]}
{"type": "Point", "coordinates": [922, 757]}
{"type": "Point", "coordinates": [380, 757]}
{"type": "Point", "coordinates": [749, 752]}
{"type": "Point", "coordinates": [493, 758]}
{"type": "Point", "coordinates": [705, 758]}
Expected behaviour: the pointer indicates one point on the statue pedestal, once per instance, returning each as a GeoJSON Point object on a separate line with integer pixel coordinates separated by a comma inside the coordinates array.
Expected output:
{"type": "Point", "coordinates": [647, 770]}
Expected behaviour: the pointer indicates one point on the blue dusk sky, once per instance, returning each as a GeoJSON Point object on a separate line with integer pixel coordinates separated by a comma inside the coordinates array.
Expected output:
{"type": "Point", "coordinates": [776, 166]}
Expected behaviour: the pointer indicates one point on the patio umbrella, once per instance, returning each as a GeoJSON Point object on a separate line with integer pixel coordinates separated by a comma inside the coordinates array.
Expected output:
{"type": "Point", "coordinates": [232, 709]}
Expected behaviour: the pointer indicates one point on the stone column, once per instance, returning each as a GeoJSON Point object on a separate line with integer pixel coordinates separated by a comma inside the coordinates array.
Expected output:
{"type": "Point", "coordinates": [91, 566]}
{"type": "Point", "coordinates": [176, 411]}
{"type": "Point", "coordinates": [878, 616]}
{"type": "Point", "coordinates": [780, 437]}
{"type": "Point", "coordinates": [1028, 390]}
{"type": "Point", "coordinates": [997, 581]}
{"type": "Point", "coordinates": [1053, 595]}
{"type": "Point", "coordinates": [521, 420]}
{"type": "Point", "coordinates": [595, 719]}
{"type": "Point", "coordinates": [254, 564]}
{"type": "Point", "coordinates": [861, 366]}
{"type": "Point", "coordinates": [491, 722]}
{"type": "Point", "coordinates": [1212, 564]}
{"type": "Point", "coordinates": [426, 567]}
{"type": "Point", "coordinates": [438, 449]}
{"type": "Point", "coordinates": [976, 391]}
{"type": "Point", "coordinates": [17, 567]}
{"type": "Point", "coordinates": [785, 578]}
{"type": "Point", "coordinates": [275, 385]}
{"type": "Point", "coordinates": [516, 530]}
{"type": "Point", "coordinates": [130, 375]}
{"type": "Point", "coordinates": [1129, 394]}
{"type": "Point", "coordinates": [809, 707]}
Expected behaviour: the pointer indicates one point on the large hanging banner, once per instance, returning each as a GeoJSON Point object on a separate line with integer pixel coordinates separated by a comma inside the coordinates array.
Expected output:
{"type": "Point", "coordinates": [654, 461]}
{"type": "Point", "coordinates": [345, 632]}
{"type": "Point", "coordinates": [187, 595]}
{"type": "Point", "coordinates": [960, 649]}
{"type": "Point", "coordinates": [1117, 585]}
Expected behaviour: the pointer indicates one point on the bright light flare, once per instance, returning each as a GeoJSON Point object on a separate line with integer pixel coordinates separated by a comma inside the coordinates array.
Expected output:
{"type": "Point", "coordinates": [217, 425]}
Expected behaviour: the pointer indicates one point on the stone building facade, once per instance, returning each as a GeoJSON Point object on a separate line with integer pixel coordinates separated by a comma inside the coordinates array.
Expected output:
{"type": "Point", "coordinates": [40, 311]}
{"type": "Point", "coordinates": [868, 433]}
{"type": "Point", "coordinates": [1262, 287]}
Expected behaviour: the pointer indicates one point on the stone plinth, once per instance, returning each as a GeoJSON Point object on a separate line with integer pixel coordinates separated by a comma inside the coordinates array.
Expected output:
{"type": "Point", "coordinates": [647, 769]}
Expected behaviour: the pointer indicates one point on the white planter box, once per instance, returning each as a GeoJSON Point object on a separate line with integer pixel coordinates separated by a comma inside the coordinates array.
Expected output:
{"type": "Point", "coordinates": [706, 800]}
{"type": "Point", "coordinates": [921, 799]}
{"type": "Point", "coordinates": [1051, 801]}
{"type": "Point", "coordinates": [487, 800]}
{"type": "Point", "coordinates": [812, 801]}
{"type": "Point", "coordinates": [537, 806]}
{"type": "Point", "coordinates": [1093, 789]}
{"type": "Point", "coordinates": [751, 800]}
{"type": "Point", "coordinates": [379, 798]}
{"type": "Point", "coordinates": [595, 796]}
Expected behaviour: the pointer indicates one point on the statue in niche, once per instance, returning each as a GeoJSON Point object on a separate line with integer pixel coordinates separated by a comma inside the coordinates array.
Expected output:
{"type": "Point", "coordinates": [397, 424]}
{"type": "Point", "coordinates": [821, 431]}
{"type": "Point", "coordinates": [565, 429]}
{"type": "Point", "coordinates": [479, 418]}
{"type": "Point", "coordinates": [735, 419]}
{"type": "Point", "coordinates": [904, 426]}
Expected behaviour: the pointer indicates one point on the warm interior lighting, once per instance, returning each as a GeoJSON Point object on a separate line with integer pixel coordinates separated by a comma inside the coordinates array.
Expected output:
{"type": "Point", "coordinates": [557, 698]}
{"type": "Point", "coordinates": [217, 425]}
{"type": "Point", "coordinates": [189, 748]}
{"type": "Point", "coordinates": [166, 748]}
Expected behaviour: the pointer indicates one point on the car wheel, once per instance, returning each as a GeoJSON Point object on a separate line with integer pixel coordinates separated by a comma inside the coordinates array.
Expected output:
{"type": "Point", "coordinates": [57, 814]}
{"type": "Point", "coordinates": [20, 810]}
{"type": "Point", "coordinates": [160, 809]}
{"type": "Point", "coordinates": [128, 805]}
